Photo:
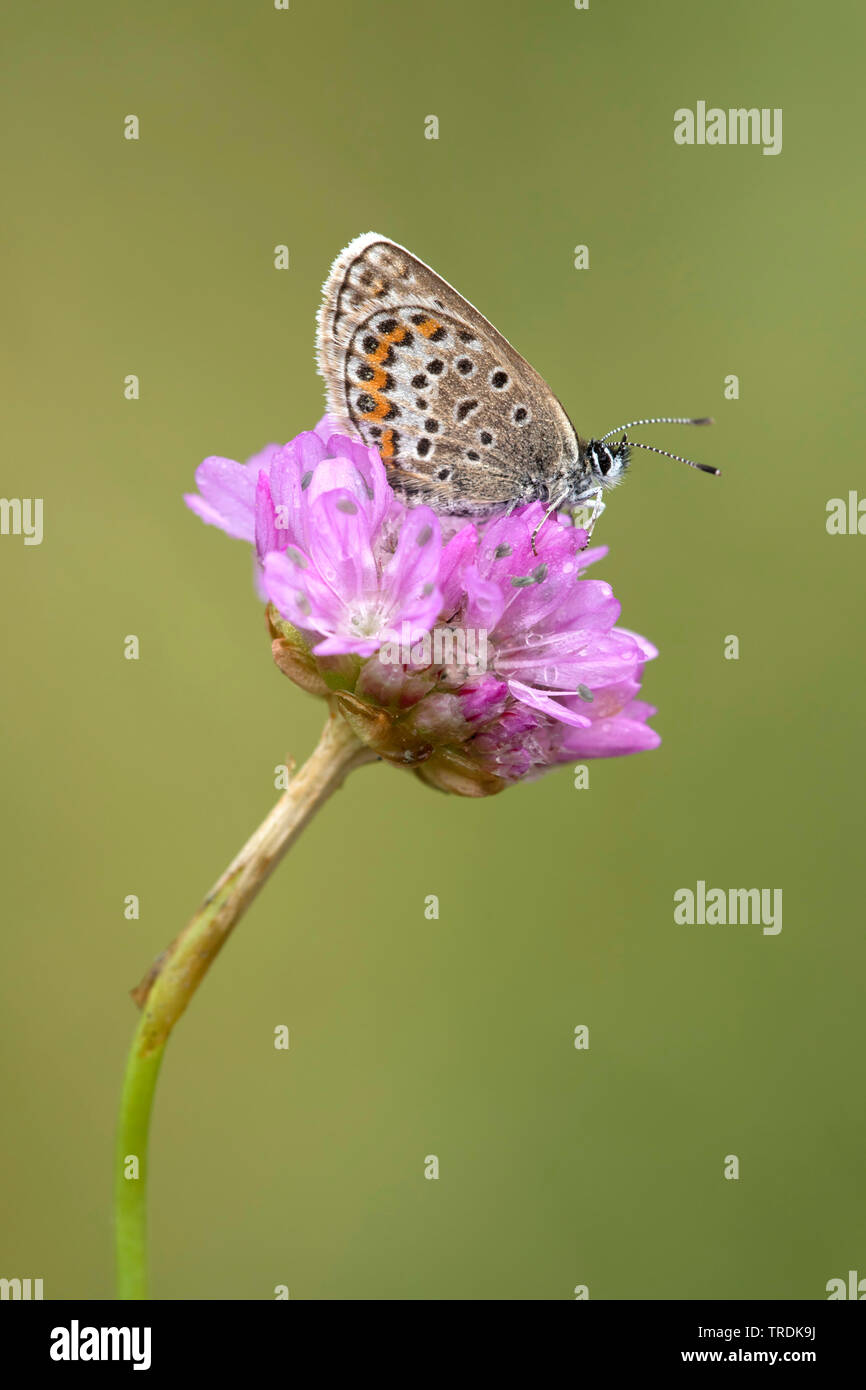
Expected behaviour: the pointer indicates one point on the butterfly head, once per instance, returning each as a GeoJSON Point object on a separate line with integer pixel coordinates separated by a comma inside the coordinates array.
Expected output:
{"type": "Point", "coordinates": [598, 466]}
{"type": "Point", "coordinates": [602, 465]}
{"type": "Point", "coordinates": [606, 463]}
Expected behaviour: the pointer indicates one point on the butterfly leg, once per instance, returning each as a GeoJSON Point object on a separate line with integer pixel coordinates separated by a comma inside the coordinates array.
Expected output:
{"type": "Point", "coordinates": [597, 509]}
{"type": "Point", "coordinates": [554, 506]}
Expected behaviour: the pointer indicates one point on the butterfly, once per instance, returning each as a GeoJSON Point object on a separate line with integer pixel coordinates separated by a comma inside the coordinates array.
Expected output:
{"type": "Point", "coordinates": [461, 421]}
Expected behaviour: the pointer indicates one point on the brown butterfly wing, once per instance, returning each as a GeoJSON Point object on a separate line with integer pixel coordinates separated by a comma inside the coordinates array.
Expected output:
{"type": "Point", "coordinates": [460, 419]}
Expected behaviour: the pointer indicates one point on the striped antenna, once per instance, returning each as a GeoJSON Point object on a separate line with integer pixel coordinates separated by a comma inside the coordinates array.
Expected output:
{"type": "Point", "coordinates": [658, 420]}
{"type": "Point", "coordinates": [704, 467]}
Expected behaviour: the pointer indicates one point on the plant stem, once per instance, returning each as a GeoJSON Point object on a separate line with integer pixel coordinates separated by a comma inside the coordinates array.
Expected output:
{"type": "Point", "coordinates": [130, 1193]}
{"type": "Point", "coordinates": [175, 975]}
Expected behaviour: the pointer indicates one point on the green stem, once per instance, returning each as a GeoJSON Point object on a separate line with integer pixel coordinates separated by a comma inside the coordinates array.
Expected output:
{"type": "Point", "coordinates": [130, 1188]}
{"type": "Point", "coordinates": [176, 974]}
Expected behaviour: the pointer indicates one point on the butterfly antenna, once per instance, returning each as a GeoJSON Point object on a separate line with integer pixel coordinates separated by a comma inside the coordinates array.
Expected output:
{"type": "Point", "coordinates": [704, 467]}
{"type": "Point", "coordinates": [658, 420]}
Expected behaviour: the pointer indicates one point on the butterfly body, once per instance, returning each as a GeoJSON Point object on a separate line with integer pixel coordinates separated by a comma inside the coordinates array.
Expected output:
{"type": "Point", "coordinates": [462, 422]}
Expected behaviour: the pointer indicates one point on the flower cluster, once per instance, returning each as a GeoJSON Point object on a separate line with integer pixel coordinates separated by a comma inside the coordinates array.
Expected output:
{"type": "Point", "coordinates": [450, 647]}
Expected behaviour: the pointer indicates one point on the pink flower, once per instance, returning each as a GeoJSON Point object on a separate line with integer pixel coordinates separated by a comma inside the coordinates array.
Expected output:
{"type": "Point", "coordinates": [351, 572]}
{"type": "Point", "coordinates": [340, 559]}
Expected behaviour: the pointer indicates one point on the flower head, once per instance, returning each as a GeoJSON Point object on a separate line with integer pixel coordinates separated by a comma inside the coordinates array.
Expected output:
{"type": "Point", "coordinates": [472, 659]}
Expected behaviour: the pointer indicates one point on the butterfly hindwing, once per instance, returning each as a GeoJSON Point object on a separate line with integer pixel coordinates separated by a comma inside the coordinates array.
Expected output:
{"type": "Point", "coordinates": [460, 419]}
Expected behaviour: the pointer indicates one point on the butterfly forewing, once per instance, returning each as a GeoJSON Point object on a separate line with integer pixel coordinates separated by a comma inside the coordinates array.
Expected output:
{"type": "Point", "coordinates": [460, 419]}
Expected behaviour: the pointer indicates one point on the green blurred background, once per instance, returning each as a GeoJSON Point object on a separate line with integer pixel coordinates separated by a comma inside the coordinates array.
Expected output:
{"type": "Point", "coordinates": [558, 1167]}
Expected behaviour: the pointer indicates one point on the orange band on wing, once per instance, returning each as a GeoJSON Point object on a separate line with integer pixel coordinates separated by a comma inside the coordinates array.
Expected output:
{"type": "Point", "coordinates": [380, 376]}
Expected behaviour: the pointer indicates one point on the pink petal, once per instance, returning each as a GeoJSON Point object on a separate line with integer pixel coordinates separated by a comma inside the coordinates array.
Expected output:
{"type": "Point", "coordinates": [537, 700]}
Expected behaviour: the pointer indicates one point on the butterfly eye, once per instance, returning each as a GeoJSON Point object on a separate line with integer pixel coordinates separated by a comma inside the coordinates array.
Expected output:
{"type": "Point", "coordinates": [601, 458]}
